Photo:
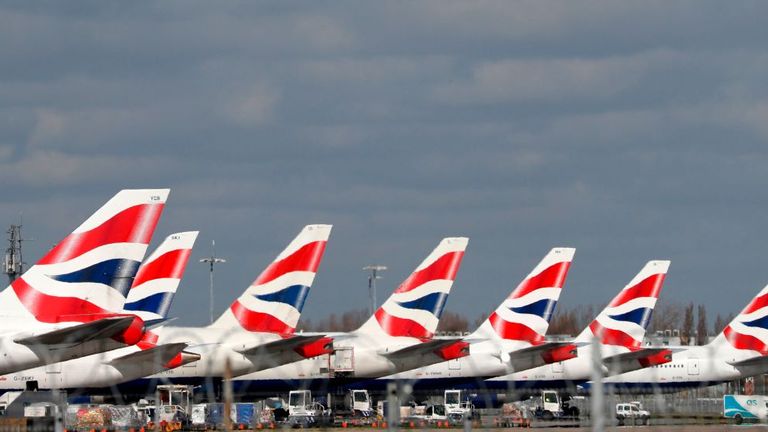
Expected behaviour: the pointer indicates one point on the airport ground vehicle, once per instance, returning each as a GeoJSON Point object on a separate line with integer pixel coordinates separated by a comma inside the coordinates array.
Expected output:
{"type": "Point", "coordinates": [305, 412]}
{"type": "Point", "coordinates": [631, 411]}
{"type": "Point", "coordinates": [742, 408]}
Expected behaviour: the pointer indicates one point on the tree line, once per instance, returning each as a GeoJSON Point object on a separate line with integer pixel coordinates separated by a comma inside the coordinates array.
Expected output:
{"type": "Point", "coordinates": [689, 319]}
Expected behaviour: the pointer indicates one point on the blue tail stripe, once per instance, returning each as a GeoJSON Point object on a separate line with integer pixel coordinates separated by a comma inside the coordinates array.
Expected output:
{"type": "Point", "coordinates": [294, 295]}
{"type": "Point", "coordinates": [760, 322]}
{"type": "Point", "coordinates": [433, 303]}
{"type": "Point", "coordinates": [543, 308]}
{"type": "Point", "coordinates": [158, 303]}
{"type": "Point", "coordinates": [117, 273]}
{"type": "Point", "coordinates": [639, 316]}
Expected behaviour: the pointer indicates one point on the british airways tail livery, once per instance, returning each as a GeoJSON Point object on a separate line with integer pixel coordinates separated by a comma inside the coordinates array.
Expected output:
{"type": "Point", "coordinates": [510, 338]}
{"type": "Point", "coordinates": [414, 309]}
{"type": "Point", "coordinates": [77, 290]}
{"type": "Point", "coordinates": [274, 301]}
{"type": "Point", "coordinates": [150, 298]}
{"type": "Point", "coordinates": [620, 328]}
{"type": "Point", "coordinates": [159, 276]}
{"type": "Point", "coordinates": [525, 314]}
{"type": "Point", "coordinates": [624, 321]}
{"type": "Point", "coordinates": [90, 271]}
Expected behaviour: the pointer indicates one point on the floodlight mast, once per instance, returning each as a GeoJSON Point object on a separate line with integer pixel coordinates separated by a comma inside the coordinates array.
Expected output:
{"type": "Point", "coordinates": [374, 269]}
{"type": "Point", "coordinates": [212, 261]}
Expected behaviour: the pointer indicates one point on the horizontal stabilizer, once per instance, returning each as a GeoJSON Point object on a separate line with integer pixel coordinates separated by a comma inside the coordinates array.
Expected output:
{"type": "Point", "coordinates": [634, 360]}
{"type": "Point", "coordinates": [292, 343]}
{"type": "Point", "coordinates": [434, 346]}
{"type": "Point", "coordinates": [159, 354]}
{"type": "Point", "coordinates": [539, 355]}
{"type": "Point", "coordinates": [99, 329]}
{"type": "Point", "coordinates": [757, 361]}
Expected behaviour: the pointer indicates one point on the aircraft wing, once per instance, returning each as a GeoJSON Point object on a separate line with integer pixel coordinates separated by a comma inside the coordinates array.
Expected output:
{"type": "Point", "coordinates": [306, 346]}
{"type": "Point", "coordinates": [633, 360]}
{"type": "Point", "coordinates": [539, 355]}
{"type": "Point", "coordinates": [98, 329]}
{"type": "Point", "coordinates": [160, 354]}
{"type": "Point", "coordinates": [448, 349]}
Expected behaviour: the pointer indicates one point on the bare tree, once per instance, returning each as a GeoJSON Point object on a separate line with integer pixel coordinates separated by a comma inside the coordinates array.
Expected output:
{"type": "Point", "coordinates": [667, 316]}
{"type": "Point", "coordinates": [702, 333]}
{"type": "Point", "coordinates": [687, 329]}
{"type": "Point", "coordinates": [451, 321]}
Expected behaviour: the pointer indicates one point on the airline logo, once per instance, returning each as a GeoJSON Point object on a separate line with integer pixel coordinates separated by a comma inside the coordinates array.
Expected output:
{"type": "Point", "coordinates": [525, 315]}
{"type": "Point", "coordinates": [274, 301]}
{"type": "Point", "coordinates": [749, 330]}
{"type": "Point", "coordinates": [414, 309]}
{"type": "Point", "coordinates": [159, 276]}
{"type": "Point", "coordinates": [90, 272]}
{"type": "Point", "coordinates": [624, 321]}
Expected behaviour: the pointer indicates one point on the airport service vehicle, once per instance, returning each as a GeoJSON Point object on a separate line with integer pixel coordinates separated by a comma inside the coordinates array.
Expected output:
{"type": "Point", "coordinates": [743, 408]}
{"type": "Point", "coordinates": [70, 303]}
{"type": "Point", "coordinates": [148, 298]}
{"type": "Point", "coordinates": [398, 337]}
{"type": "Point", "coordinates": [512, 338]}
{"type": "Point", "coordinates": [303, 411]}
{"type": "Point", "coordinates": [257, 331]}
{"type": "Point", "coordinates": [738, 351]}
{"type": "Point", "coordinates": [620, 327]}
{"type": "Point", "coordinates": [631, 412]}
{"type": "Point", "coordinates": [354, 403]}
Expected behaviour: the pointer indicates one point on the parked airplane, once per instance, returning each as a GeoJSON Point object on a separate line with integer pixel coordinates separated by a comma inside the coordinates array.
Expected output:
{"type": "Point", "coordinates": [69, 304]}
{"type": "Point", "coordinates": [620, 327]}
{"type": "Point", "coordinates": [149, 298]}
{"type": "Point", "coordinates": [257, 331]}
{"type": "Point", "coordinates": [512, 338]}
{"type": "Point", "coordinates": [398, 337]}
{"type": "Point", "coordinates": [739, 351]}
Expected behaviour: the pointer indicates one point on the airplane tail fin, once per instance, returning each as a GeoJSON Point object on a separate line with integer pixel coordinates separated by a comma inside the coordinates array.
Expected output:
{"type": "Point", "coordinates": [273, 302]}
{"type": "Point", "coordinates": [624, 321]}
{"type": "Point", "coordinates": [159, 276]}
{"type": "Point", "coordinates": [91, 270]}
{"type": "Point", "coordinates": [749, 330]}
{"type": "Point", "coordinates": [525, 314]}
{"type": "Point", "coordinates": [414, 309]}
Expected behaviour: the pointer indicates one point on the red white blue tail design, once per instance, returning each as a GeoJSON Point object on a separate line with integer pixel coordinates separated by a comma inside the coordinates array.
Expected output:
{"type": "Point", "coordinates": [90, 271]}
{"type": "Point", "coordinates": [274, 301]}
{"type": "Point", "coordinates": [159, 276]}
{"type": "Point", "coordinates": [525, 314]}
{"type": "Point", "coordinates": [415, 307]}
{"type": "Point", "coordinates": [624, 321]}
{"type": "Point", "coordinates": [749, 330]}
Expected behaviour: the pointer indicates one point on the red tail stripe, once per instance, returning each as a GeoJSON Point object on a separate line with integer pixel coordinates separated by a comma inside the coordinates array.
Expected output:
{"type": "Point", "coordinates": [306, 258]}
{"type": "Point", "coordinates": [443, 268]}
{"type": "Point", "coordinates": [132, 225]}
{"type": "Point", "coordinates": [514, 331]}
{"type": "Point", "coordinates": [259, 322]}
{"type": "Point", "coordinates": [169, 265]}
{"type": "Point", "coordinates": [49, 309]}
{"type": "Point", "coordinates": [609, 336]}
{"type": "Point", "coordinates": [395, 326]}
{"type": "Point", "coordinates": [551, 277]}
{"type": "Point", "coordinates": [744, 341]}
{"type": "Point", "coordinates": [648, 287]}
{"type": "Point", "coordinates": [758, 303]}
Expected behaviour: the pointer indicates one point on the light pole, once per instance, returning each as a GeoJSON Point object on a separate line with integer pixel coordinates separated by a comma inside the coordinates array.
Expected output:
{"type": "Point", "coordinates": [374, 269]}
{"type": "Point", "coordinates": [212, 260]}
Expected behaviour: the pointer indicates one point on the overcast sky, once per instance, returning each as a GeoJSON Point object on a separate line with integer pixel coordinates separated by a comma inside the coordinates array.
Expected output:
{"type": "Point", "coordinates": [628, 130]}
